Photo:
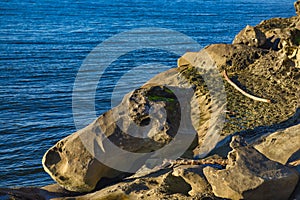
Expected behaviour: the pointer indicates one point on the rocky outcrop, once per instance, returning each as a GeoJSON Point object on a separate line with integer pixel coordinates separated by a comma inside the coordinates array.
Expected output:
{"type": "Point", "coordinates": [250, 175]}
{"type": "Point", "coordinates": [193, 101]}
{"type": "Point", "coordinates": [169, 110]}
{"type": "Point", "coordinates": [247, 174]}
{"type": "Point", "coordinates": [192, 112]}
{"type": "Point", "coordinates": [71, 165]}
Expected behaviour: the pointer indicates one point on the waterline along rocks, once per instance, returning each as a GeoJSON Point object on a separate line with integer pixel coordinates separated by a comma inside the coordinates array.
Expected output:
{"type": "Point", "coordinates": [233, 146]}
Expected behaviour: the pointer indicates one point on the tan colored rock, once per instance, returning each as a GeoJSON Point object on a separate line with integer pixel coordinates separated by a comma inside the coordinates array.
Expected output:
{"type": "Point", "coordinates": [165, 110]}
{"type": "Point", "coordinates": [171, 184]}
{"type": "Point", "coordinates": [280, 32]}
{"type": "Point", "coordinates": [72, 163]}
{"type": "Point", "coordinates": [157, 185]}
{"type": "Point", "coordinates": [233, 57]}
{"type": "Point", "coordinates": [79, 161]}
{"type": "Point", "coordinates": [115, 194]}
{"type": "Point", "coordinates": [261, 73]}
{"type": "Point", "coordinates": [122, 139]}
{"type": "Point", "coordinates": [297, 61]}
{"type": "Point", "coordinates": [250, 36]}
{"type": "Point", "coordinates": [281, 145]}
{"type": "Point", "coordinates": [72, 166]}
{"type": "Point", "coordinates": [250, 175]}
{"type": "Point", "coordinates": [193, 175]}
{"type": "Point", "coordinates": [297, 7]}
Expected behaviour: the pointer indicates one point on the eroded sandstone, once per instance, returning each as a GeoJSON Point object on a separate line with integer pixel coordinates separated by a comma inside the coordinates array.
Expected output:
{"type": "Point", "coordinates": [263, 61]}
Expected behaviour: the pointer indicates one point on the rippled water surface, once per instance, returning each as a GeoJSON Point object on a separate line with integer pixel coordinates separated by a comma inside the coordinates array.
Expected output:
{"type": "Point", "coordinates": [43, 44]}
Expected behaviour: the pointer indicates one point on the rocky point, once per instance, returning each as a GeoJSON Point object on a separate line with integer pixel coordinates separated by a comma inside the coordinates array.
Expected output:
{"type": "Point", "coordinates": [243, 137]}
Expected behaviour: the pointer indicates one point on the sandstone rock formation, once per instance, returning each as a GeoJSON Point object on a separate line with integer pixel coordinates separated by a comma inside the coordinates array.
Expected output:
{"type": "Point", "coordinates": [192, 100]}
{"type": "Point", "coordinates": [193, 175]}
{"type": "Point", "coordinates": [146, 120]}
{"type": "Point", "coordinates": [250, 175]}
{"type": "Point", "coordinates": [297, 7]}
{"type": "Point", "coordinates": [193, 112]}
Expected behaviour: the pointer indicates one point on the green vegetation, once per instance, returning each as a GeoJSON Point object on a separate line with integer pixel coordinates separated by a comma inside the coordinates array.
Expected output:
{"type": "Point", "coordinates": [160, 98]}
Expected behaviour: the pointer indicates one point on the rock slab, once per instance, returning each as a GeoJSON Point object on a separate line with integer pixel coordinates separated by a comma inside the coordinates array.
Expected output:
{"type": "Point", "coordinates": [281, 145]}
{"type": "Point", "coordinates": [250, 175]}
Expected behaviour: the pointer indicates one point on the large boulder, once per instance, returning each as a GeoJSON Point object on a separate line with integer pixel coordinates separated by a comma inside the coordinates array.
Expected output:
{"type": "Point", "coordinates": [72, 166]}
{"type": "Point", "coordinates": [168, 111]}
{"type": "Point", "coordinates": [250, 175]}
{"type": "Point", "coordinates": [145, 121]}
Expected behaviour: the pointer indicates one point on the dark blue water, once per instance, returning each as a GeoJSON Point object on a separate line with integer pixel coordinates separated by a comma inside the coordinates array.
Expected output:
{"type": "Point", "coordinates": [43, 44]}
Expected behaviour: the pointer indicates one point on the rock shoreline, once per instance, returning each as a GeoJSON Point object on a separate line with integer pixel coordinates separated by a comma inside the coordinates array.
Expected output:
{"type": "Point", "coordinates": [255, 154]}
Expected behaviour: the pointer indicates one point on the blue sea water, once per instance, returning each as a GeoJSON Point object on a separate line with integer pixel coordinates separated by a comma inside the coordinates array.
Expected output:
{"type": "Point", "coordinates": [44, 43]}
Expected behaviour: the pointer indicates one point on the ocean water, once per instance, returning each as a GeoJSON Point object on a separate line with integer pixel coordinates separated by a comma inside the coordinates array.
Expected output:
{"type": "Point", "coordinates": [44, 43]}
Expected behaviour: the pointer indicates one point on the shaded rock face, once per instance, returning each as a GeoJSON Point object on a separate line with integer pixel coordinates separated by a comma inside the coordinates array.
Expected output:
{"type": "Point", "coordinates": [250, 175]}
{"type": "Point", "coordinates": [144, 99]}
{"type": "Point", "coordinates": [283, 35]}
{"type": "Point", "coordinates": [158, 185]}
{"type": "Point", "coordinates": [180, 182]}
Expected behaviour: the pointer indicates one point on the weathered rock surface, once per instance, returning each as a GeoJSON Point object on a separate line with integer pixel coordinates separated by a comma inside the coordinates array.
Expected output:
{"type": "Point", "coordinates": [250, 36]}
{"type": "Point", "coordinates": [297, 7]}
{"type": "Point", "coordinates": [195, 100]}
{"type": "Point", "coordinates": [76, 168]}
{"type": "Point", "coordinates": [71, 165]}
{"type": "Point", "coordinates": [146, 120]}
{"type": "Point", "coordinates": [250, 175]}
{"type": "Point", "coordinates": [281, 145]}
{"type": "Point", "coordinates": [160, 184]}
{"type": "Point", "coordinates": [74, 162]}
{"type": "Point", "coordinates": [193, 175]}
